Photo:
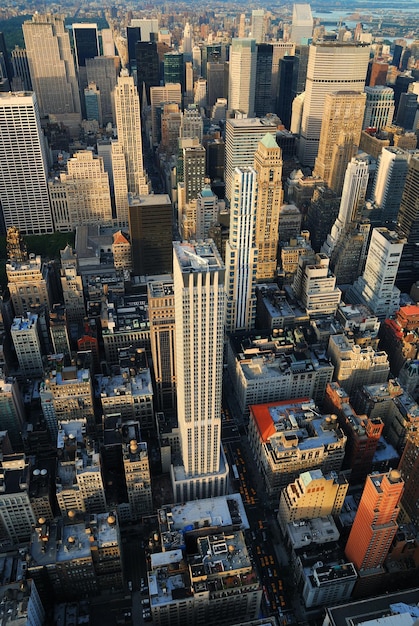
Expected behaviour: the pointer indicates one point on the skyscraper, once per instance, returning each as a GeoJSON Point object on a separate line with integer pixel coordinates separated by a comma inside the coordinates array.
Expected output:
{"type": "Point", "coordinates": [148, 67]}
{"type": "Point", "coordinates": [379, 107]}
{"type": "Point", "coordinates": [284, 97]}
{"type": "Point", "coordinates": [198, 274]}
{"type": "Point", "coordinates": [302, 23]}
{"type": "Point", "coordinates": [258, 25]}
{"type": "Point", "coordinates": [86, 46]}
{"type": "Point", "coordinates": [150, 227]}
{"type": "Point", "coordinates": [174, 70]}
{"type": "Point", "coordinates": [408, 219]}
{"type": "Point", "coordinates": [23, 176]}
{"type": "Point", "coordinates": [242, 138]}
{"type": "Point", "coordinates": [408, 468]}
{"type": "Point", "coordinates": [375, 287]}
{"type": "Point", "coordinates": [332, 66]}
{"type": "Point", "coordinates": [268, 167]}
{"type": "Point", "coordinates": [375, 522]}
{"type": "Point", "coordinates": [194, 162]}
{"type": "Point", "coordinates": [340, 134]}
{"type": "Point", "coordinates": [103, 71]}
{"type": "Point", "coordinates": [389, 182]}
{"type": "Point", "coordinates": [242, 76]}
{"type": "Point", "coordinates": [241, 252]}
{"type": "Point", "coordinates": [51, 66]}
{"type": "Point", "coordinates": [128, 124]}
{"type": "Point", "coordinates": [263, 88]}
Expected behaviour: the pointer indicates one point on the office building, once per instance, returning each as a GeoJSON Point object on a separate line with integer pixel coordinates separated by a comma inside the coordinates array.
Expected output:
{"type": "Point", "coordinates": [82, 194]}
{"type": "Point", "coordinates": [258, 25]}
{"type": "Point", "coordinates": [161, 305]}
{"type": "Point", "coordinates": [199, 315]}
{"type": "Point", "coordinates": [119, 183]}
{"type": "Point", "coordinates": [242, 139]}
{"type": "Point", "coordinates": [356, 365]}
{"type": "Point", "coordinates": [194, 165]}
{"type": "Point", "coordinates": [92, 103]}
{"type": "Point", "coordinates": [66, 394]}
{"type": "Point", "coordinates": [263, 84]}
{"type": "Point", "coordinates": [261, 372]}
{"type": "Point", "coordinates": [16, 514]}
{"type": "Point", "coordinates": [408, 219]}
{"type": "Point", "coordinates": [28, 284]}
{"type": "Point", "coordinates": [312, 495]}
{"type": "Point", "coordinates": [407, 111]}
{"type": "Point", "coordinates": [21, 69]}
{"type": "Point", "coordinates": [58, 328]}
{"type": "Point", "coordinates": [174, 71]}
{"type": "Point", "coordinates": [208, 207]}
{"type": "Point", "coordinates": [72, 286]}
{"type": "Point", "coordinates": [332, 66]}
{"type": "Point", "coordinates": [242, 76]}
{"type": "Point", "coordinates": [104, 71]}
{"type": "Point", "coordinates": [376, 287]}
{"type": "Point", "coordinates": [268, 167]}
{"type": "Point", "coordinates": [241, 252]}
{"type": "Point", "coordinates": [159, 96]}
{"type": "Point", "coordinates": [389, 181]}
{"type": "Point", "coordinates": [26, 340]}
{"type": "Point", "coordinates": [125, 324]}
{"type": "Point", "coordinates": [280, 50]}
{"type": "Point", "coordinates": [133, 37]}
{"type": "Point", "coordinates": [215, 83]}
{"type": "Point", "coordinates": [275, 431]}
{"type": "Point", "coordinates": [408, 468]}
{"type": "Point", "coordinates": [379, 107]}
{"type": "Point", "coordinates": [128, 124]}
{"type": "Point", "coordinates": [315, 286]}
{"type": "Point", "coordinates": [375, 522]}
{"type": "Point", "coordinates": [12, 413]}
{"type": "Point", "coordinates": [150, 226]}
{"type": "Point", "coordinates": [149, 27]}
{"type": "Point", "coordinates": [148, 70]}
{"type": "Point", "coordinates": [52, 68]}
{"type": "Point", "coordinates": [302, 24]}
{"type": "Point", "coordinates": [191, 125]}
{"type": "Point", "coordinates": [284, 97]}
{"type": "Point", "coordinates": [340, 135]}
{"type": "Point", "coordinates": [137, 478]}
{"type": "Point", "coordinates": [23, 177]}
{"type": "Point", "coordinates": [5, 62]}
{"type": "Point", "coordinates": [86, 46]}
{"type": "Point", "coordinates": [363, 433]}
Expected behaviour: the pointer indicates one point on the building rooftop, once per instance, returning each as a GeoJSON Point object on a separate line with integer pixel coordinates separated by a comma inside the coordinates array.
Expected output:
{"type": "Point", "coordinates": [318, 531]}
{"type": "Point", "coordinates": [373, 611]}
{"type": "Point", "coordinates": [124, 384]}
{"type": "Point", "coordinates": [20, 324]}
{"type": "Point", "coordinates": [15, 602]}
{"type": "Point", "coordinates": [198, 256]}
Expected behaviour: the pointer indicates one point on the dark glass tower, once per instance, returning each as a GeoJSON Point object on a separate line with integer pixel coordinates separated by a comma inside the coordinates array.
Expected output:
{"type": "Point", "coordinates": [263, 95]}
{"type": "Point", "coordinates": [133, 36]}
{"type": "Point", "coordinates": [147, 59]}
{"type": "Point", "coordinates": [285, 96]}
{"type": "Point", "coordinates": [174, 69]}
{"type": "Point", "coordinates": [86, 43]}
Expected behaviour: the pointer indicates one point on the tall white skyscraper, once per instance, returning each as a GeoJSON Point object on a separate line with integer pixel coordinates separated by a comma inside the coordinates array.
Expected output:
{"type": "Point", "coordinates": [23, 173]}
{"type": "Point", "coordinates": [187, 40]}
{"type": "Point", "coordinates": [242, 76]}
{"type": "Point", "coordinates": [198, 274]}
{"type": "Point", "coordinates": [375, 287]}
{"type": "Point", "coordinates": [352, 201]}
{"type": "Point", "coordinates": [389, 181]}
{"type": "Point", "coordinates": [258, 25]}
{"type": "Point", "coordinates": [241, 252]}
{"type": "Point", "coordinates": [147, 25]}
{"type": "Point", "coordinates": [242, 139]}
{"type": "Point", "coordinates": [128, 124]}
{"type": "Point", "coordinates": [51, 65]}
{"type": "Point", "coordinates": [302, 23]}
{"type": "Point", "coordinates": [332, 66]}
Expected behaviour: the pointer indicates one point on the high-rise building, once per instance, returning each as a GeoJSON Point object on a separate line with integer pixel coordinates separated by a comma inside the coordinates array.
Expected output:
{"type": "Point", "coordinates": [128, 124]}
{"type": "Point", "coordinates": [103, 71]}
{"type": "Point", "coordinates": [137, 476]}
{"type": "Point", "coordinates": [12, 412]}
{"type": "Point", "coordinates": [149, 27]}
{"type": "Point", "coordinates": [92, 103]}
{"type": "Point", "coordinates": [215, 83]}
{"type": "Point", "coordinates": [86, 42]}
{"type": "Point", "coordinates": [207, 209]}
{"type": "Point", "coordinates": [280, 49]}
{"type": "Point", "coordinates": [284, 97]}
{"type": "Point", "coordinates": [263, 85]}
{"type": "Point", "coordinates": [174, 71]}
{"type": "Point", "coordinates": [108, 44]}
{"type": "Point", "coordinates": [242, 139]}
{"type": "Point", "coordinates": [315, 286]}
{"type": "Point", "coordinates": [242, 76]}
{"type": "Point", "coordinates": [133, 37]}
{"type": "Point", "coordinates": [407, 110]}
{"type": "Point", "coordinates": [28, 285]}
{"type": "Point", "coordinates": [148, 70]}
{"type": "Point", "coordinates": [72, 286]}
{"type": "Point", "coordinates": [85, 187]}
{"type": "Point", "coordinates": [302, 23]}
{"type": "Point", "coordinates": [161, 310]}
{"type": "Point", "coordinates": [332, 66]}
{"type": "Point", "coordinates": [24, 196]}
{"type": "Point", "coordinates": [192, 124]}
{"type": "Point", "coordinates": [194, 164]}
{"type": "Point", "coordinates": [51, 65]}
{"type": "Point", "coordinates": [389, 181]}
{"type": "Point", "coordinates": [258, 25]}
{"type": "Point", "coordinates": [241, 252]}
{"type": "Point", "coordinates": [375, 287]}
{"type": "Point", "coordinates": [408, 219]}
{"type": "Point", "coordinates": [27, 344]}
{"type": "Point", "coordinates": [21, 69]}
{"type": "Point", "coordinates": [158, 97]}
{"type": "Point", "coordinates": [379, 107]}
{"type": "Point", "coordinates": [268, 167]}
{"type": "Point", "coordinates": [150, 226]}
{"type": "Point", "coordinates": [16, 514]}
{"type": "Point", "coordinates": [408, 468]}
{"type": "Point", "coordinates": [187, 40]}
{"type": "Point", "coordinates": [199, 291]}
{"type": "Point", "coordinates": [375, 521]}
{"type": "Point", "coordinates": [341, 128]}
{"type": "Point", "coordinates": [6, 68]}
